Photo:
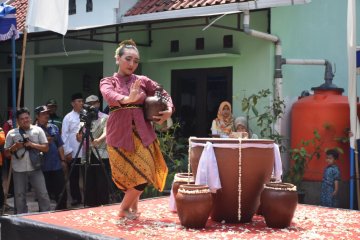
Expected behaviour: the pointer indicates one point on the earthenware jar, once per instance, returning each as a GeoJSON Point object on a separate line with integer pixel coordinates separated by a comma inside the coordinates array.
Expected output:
{"type": "Point", "coordinates": [194, 204]}
{"type": "Point", "coordinates": [259, 211]}
{"type": "Point", "coordinates": [182, 178]}
{"type": "Point", "coordinates": [154, 104]}
{"type": "Point", "coordinates": [279, 201]}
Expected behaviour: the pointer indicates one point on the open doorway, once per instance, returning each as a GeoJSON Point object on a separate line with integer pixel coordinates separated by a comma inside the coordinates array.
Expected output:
{"type": "Point", "coordinates": [197, 94]}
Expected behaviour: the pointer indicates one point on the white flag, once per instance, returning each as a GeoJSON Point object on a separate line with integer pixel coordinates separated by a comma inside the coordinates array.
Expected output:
{"type": "Point", "coordinates": [49, 14]}
{"type": "Point", "coordinates": [351, 43]}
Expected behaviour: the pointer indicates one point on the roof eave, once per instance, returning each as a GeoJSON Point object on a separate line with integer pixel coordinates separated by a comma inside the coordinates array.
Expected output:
{"type": "Point", "coordinates": [211, 10]}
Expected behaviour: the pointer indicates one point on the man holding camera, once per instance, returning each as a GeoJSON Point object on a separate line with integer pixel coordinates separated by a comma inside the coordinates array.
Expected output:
{"type": "Point", "coordinates": [97, 187]}
{"type": "Point", "coordinates": [71, 127]}
{"type": "Point", "coordinates": [18, 144]}
{"type": "Point", "coordinates": [54, 158]}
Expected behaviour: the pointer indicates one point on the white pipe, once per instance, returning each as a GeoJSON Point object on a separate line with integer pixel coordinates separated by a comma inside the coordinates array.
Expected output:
{"type": "Point", "coordinates": [305, 61]}
{"type": "Point", "coordinates": [264, 36]}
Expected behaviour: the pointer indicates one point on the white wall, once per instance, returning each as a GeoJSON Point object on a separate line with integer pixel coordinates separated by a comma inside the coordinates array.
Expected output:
{"type": "Point", "coordinates": [104, 13]}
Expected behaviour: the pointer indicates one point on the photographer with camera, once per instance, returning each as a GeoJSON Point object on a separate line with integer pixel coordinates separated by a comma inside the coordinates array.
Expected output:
{"type": "Point", "coordinates": [71, 127]}
{"type": "Point", "coordinates": [54, 158]}
{"type": "Point", "coordinates": [24, 145]}
{"type": "Point", "coordinates": [97, 189]}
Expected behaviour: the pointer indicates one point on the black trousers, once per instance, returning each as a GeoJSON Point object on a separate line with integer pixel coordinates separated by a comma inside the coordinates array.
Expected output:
{"type": "Point", "coordinates": [97, 183]}
{"type": "Point", "coordinates": [74, 180]}
{"type": "Point", "coordinates": [55, 183]}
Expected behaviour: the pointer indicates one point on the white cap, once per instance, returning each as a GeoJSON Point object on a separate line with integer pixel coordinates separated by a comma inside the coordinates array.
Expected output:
{"type": "Point", "coordinates": [91, 98]}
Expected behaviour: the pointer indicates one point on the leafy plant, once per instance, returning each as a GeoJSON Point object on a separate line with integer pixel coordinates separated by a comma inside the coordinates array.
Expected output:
{"type": "Point", "coordinates": [266, 118]}
{"type": "Point", "coordinates": [300, 157]}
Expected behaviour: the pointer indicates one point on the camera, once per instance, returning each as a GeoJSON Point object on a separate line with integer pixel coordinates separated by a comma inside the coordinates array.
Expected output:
{"type": "Point", "coordinates": [88, 114]}
{"type": "Point", "coordinates": [25, 140]}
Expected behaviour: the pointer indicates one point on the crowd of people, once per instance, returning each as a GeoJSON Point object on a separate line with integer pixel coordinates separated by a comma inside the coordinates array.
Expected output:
{"type": "Point", "coordinates": [48, 151]}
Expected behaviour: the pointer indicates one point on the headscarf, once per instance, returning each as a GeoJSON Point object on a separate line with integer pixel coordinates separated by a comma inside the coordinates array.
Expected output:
{"type": "Point", "coordinates": [229, 119]}
{"type": "Point", "coordinates": [241, 121]}
{"type": "Point", "coordinates": [225, 124]}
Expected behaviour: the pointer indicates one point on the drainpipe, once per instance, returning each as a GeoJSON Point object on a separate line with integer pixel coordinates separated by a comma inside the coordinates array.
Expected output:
{"type": "Point", "coordinates": [329, 75]}
{"type": "Point", "coordinates": [278, 58]}
{"type": "Point", "coordinates": [279, 61]}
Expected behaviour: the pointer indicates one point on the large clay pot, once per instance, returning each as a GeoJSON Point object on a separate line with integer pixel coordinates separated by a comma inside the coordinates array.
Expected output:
{"type": "Point", "coordinates": [255, 169]}
{"type": "Point", "coordinates": [194, 204]}
{"type": "Point", "coordinates": [182, 178]}
{"type": "Point", "coordinates": [279, 201]}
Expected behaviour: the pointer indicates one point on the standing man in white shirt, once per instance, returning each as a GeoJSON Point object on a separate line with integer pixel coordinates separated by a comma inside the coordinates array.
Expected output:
{"type": "Point", "coordinates": [18, 144]}
{"type": "Point", "coordinates": [70, 135]}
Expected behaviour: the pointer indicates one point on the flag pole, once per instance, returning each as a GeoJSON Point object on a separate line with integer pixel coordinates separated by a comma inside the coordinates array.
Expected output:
{"type": "Point", "coordinates": [22, 67]}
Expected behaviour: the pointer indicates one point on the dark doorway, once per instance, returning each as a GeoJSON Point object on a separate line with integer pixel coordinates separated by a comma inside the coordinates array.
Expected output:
{"type": "Point", "coordinates": [197, 94]}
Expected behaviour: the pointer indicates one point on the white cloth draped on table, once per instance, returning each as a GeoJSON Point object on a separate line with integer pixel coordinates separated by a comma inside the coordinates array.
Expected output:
{"type": "Point", "coordinates": [208, 171]}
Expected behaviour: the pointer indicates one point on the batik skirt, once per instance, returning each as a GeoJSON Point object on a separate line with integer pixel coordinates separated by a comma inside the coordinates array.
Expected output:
{"type": "Point", "coordinates": [144, 165]}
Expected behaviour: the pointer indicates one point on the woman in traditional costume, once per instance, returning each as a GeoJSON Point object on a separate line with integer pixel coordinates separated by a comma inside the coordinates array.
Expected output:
{"type": "Point", "coordinates": [133, 148]}
{"type": "Point", "coordinates": [223, 125]}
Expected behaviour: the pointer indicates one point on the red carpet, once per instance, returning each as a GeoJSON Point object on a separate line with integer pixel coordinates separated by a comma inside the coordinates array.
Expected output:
{"type": "Point", "coordinates": [157, 222]}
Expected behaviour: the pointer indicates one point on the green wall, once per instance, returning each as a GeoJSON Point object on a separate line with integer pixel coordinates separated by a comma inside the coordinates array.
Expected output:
{"type": "Point", "coordinates": [313, 31]}
{"type": "Point", "coordinates": [252, 67]}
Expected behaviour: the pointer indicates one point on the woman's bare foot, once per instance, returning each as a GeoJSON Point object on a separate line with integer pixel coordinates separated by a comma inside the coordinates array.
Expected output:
{"type": "Point", "coordinates": [128, 215]}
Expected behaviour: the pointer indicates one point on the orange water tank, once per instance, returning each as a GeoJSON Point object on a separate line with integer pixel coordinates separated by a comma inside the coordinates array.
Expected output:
{"type": "Point", "coordinates": [327, 107]}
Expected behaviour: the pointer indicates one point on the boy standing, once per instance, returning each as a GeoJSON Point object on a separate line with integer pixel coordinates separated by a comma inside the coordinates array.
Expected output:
{"type": "Point", "coordinates": [330, 183]}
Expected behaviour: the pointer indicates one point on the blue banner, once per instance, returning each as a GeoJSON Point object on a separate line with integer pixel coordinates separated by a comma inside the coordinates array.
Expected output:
{"type": "Point", "coordinates": [7, 22]}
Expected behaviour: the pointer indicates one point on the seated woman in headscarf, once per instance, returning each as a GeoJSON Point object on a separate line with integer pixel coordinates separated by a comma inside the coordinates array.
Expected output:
{"type": "Point", "coordinates": [223, 125]}
{"type": "Point", "coordinates": [241, 125]}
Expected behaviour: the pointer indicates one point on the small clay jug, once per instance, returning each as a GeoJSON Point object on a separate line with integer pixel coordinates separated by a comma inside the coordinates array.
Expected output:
{"type": "Point", "coordinates": [182, 178]}
{"type": "Point", "coordinates": [259, 210]}
{"type": "Point", "coordinates": [154, 104]}
{"type": "Point", "coordinates": [194, 204]}
{"type": "Point", "coordinates": [278, 201]}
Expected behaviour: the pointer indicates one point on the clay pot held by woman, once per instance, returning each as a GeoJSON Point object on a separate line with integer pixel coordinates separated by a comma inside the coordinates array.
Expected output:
{"type": "Point", "coordinates": [154, 104]}
{"type": "Point", "coordinates": [278, 201]}
{"type": "Point", "coordinates": [194, 204]}
{"type": "Point", "coordinates": [182, 178]}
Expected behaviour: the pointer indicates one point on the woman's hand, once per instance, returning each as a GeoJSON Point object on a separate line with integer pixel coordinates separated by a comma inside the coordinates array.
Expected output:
{"type": "Point", "coordinates": [164, 115]}
{"type": "Point", "coordinates": [135, 93]}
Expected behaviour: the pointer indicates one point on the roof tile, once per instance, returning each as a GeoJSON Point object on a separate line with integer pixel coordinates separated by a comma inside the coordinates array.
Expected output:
{"type": "Point", "coordinates": [151, 6]}
{"type": "Point", "coordinates": [21, 11]}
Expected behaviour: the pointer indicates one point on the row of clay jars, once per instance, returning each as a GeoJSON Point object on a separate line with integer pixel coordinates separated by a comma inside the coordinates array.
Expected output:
{"type": "Point", "coordinates": [194, 202]}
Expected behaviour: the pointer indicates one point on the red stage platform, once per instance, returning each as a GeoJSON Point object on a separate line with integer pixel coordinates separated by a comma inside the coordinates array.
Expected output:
{"type": "Point", "coordinates": [157, 222]}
